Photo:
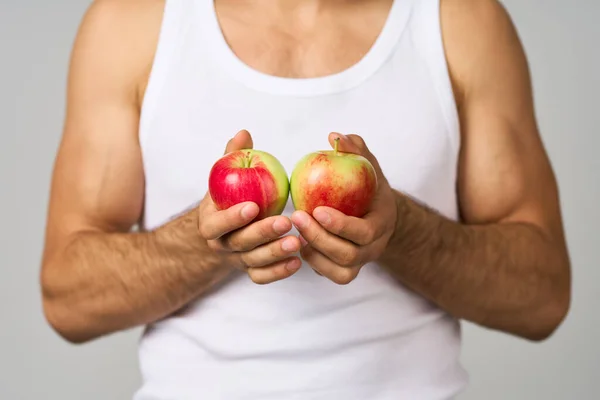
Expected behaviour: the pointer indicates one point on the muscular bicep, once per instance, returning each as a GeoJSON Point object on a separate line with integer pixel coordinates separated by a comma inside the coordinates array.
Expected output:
{"type": "Point", "coordinates": [504, 172]}
{"type": "Point", "coordinates": [98, 177]}
{"type": "Point", "coordinates": [98, 180]}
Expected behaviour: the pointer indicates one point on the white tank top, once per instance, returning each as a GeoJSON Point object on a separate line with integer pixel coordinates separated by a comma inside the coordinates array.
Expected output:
{"type": "Point", "coordinates": [303, 338]}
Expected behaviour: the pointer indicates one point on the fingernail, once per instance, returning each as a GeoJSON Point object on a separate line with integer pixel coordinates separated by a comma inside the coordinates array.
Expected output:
{"type": "Point", "coordinates": [293, 265]}
{"type": "Point", "coordinates": [322, 217]}
{"type": "Point", "coordinates": [303, 241]}
{"type": "Point", "coordinates": [300, 220]}
{"type": "Point", "coordinates": [248, 211]}
{"type": "Point", "coordinates": [289, 245]}
{"type": "Point", "coordinates": [280, 226]}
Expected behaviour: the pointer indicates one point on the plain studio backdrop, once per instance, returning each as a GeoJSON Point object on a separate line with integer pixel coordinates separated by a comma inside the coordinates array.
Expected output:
{"type": "Point", "coordinates": [561, 40]}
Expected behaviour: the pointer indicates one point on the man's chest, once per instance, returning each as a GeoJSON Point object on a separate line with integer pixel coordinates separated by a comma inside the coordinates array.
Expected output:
{"type": "Point", "coordinates": [302, 43]}
{"type": "Point", "coordinates": [209, 94]}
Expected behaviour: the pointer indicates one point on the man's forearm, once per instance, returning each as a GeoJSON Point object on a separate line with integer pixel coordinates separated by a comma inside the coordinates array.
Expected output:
{"type": "Point", "coordinates": [507, 276]}
{"type": "Point", "coordinates": [106, 282]}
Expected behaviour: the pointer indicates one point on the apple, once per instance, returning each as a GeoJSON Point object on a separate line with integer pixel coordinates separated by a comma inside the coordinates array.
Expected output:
{"type": "Point", "coordinates": [344, 181]}
{"type": "Point", "coordinates": [249, 175]}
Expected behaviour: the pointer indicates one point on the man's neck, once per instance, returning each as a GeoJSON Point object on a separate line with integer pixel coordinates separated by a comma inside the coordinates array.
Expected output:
{"type": "Point", "coordinates": [296, 14]}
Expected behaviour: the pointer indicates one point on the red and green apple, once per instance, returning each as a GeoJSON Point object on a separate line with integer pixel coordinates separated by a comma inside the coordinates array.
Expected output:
{"type": "Point", "coordinates": [346, 182]}
{"type": "Point", "coordinates": [249, 175]}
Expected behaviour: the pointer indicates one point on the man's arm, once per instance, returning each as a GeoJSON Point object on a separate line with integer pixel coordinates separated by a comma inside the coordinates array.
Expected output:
{"type": "Point", "coordinates": [98, 277]}
{"type": "Point", "coordinates": [507, 266]}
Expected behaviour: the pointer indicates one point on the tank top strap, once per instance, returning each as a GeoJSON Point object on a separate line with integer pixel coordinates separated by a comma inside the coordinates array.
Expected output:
{"type": "Point", "coordinates": [425, 30]}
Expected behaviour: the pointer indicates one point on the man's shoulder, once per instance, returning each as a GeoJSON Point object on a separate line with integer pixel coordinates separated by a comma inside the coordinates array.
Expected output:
{"type": "Point", "coordinates": [120, 36]}
{"type": "Point", "coordinates": [119, 10]}
{"type": "Point", "coordinates": [479, 35]}
{"type": "Point", "coordinates": [475, 20]}
{"type": "Point", "coordinates": [123, 21]}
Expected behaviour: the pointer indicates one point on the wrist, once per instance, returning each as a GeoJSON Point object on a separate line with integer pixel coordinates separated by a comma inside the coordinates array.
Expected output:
{"type": "Point", "coordinates": [415, 229]}
{"type": "Point", "coordinates": [181, 240]}
{"type": "Point", "coordinates": [399, 223]}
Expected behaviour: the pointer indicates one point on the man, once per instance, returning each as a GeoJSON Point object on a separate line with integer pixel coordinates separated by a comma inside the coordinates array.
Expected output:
{"type": "Point", "coordinates": [466, 222]}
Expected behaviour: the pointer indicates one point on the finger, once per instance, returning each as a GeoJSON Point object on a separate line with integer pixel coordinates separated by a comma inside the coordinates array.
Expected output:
{"type": "Point", "coordinates": [355, 144]}
{"type": "Point", "coordinates": [257, 233]}
{"type": "Point", "coordinates": [327, 268]}
{"type": "Point", "coordinates": [304, 243]}
{"type": "Point", "coordinates": [272, 252]}
{"type": "Point", "coordinates": [337, 249]}
{"type": "Point", "coordinates": [362, 231]}
{"type": "Point", "coordinates": [275, 272]}
{"type": "Point", "coordinates": [345, 145]}
{"type": "Point", "coordinates": [242, 140]}
{"type": "Point", "coordinates": [214, 225]}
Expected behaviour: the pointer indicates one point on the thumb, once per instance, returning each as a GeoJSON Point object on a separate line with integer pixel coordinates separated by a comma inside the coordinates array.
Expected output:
{"type": "Point", "coordinates": [356, 145]}
{"type": "Point", "coordinates": [350, 144]}
{"type": "Point", "coordinates": [242, 140]}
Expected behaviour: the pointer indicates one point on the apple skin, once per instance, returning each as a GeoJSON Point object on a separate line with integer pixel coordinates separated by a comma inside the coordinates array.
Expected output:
{"type": "Point", "coordinates": [346, 182]}
{"type": "Point", "coordinates": [249, 175]}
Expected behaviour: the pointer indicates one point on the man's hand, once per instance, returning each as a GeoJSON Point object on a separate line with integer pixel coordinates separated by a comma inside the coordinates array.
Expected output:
{"type": "Point", "coordinates": [337, 246]}
{"type": "Point", "coordinates": [256, 247]}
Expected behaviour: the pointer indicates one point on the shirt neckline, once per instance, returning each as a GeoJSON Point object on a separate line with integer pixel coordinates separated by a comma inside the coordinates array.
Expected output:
{"type": "Point", "coordinates": [346, 79]}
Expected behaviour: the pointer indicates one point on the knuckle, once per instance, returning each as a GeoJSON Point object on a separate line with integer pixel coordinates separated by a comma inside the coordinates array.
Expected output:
{"type": "Point", "coordinates": [256, 278]}
{"type": "Point", "coordinates": [354, 255]}
{"type": "Point", "coordinates": [344, 259]}
{"type": "Point", "coordinates": [202, 230]}
{"type": "Point", "coordinates": [236, 261]}
{"type": "Point", "coordinates": [215, 245]}
{"type": "Point", "coordinates": [343, 276]}
{"type": "Point", "coordinates": [265, 231]}
{"type": "Point", "coordinates": [307, 254]}
{"type": "Point", "coordinates": [340, 227]}
{"type": "Point", "coordinates": [275, 250]}
{"type": "Point", "coordinates": [234, 243]}
{"type": "Point", "coordinates": [369, 234]}
{"type": "Point", "coordinates": [349, 257]}
{"type": "Point", "coordinates": [316, 237]}
{"type": "Point", "coordinates": [246, 261]}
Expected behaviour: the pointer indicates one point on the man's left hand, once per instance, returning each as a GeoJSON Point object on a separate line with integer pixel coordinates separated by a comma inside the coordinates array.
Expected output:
{"type": "Point", "coordinates": [337, 246]}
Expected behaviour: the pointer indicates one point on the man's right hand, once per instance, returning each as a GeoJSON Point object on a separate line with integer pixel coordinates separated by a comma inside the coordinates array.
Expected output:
{"type": "Point", "coordinates": [259, 248]}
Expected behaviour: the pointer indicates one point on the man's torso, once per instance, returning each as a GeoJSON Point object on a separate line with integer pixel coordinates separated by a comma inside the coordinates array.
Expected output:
{"type": "Point", "coordinates": [290, 82]}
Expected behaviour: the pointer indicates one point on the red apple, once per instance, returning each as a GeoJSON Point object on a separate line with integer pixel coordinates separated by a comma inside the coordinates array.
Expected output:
{"type": "Point", "coordinates": [249, 175]}
{"type": "Point", "coordinates": [344, 181]}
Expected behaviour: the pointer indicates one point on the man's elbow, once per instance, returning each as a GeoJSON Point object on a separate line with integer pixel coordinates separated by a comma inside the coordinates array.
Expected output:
{"type": "Point", "coordinates": [66, 323]}
{"type": "Point", "coordinates": [551, 314]}
{"type": "Point", "coordinates": [61, 312]}
{"type": "Point", "coordinates": [548, 323]}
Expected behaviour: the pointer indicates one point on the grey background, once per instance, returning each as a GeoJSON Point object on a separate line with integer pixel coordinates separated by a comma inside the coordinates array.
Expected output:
{"type": "Point", "coordinates": [560, 38]}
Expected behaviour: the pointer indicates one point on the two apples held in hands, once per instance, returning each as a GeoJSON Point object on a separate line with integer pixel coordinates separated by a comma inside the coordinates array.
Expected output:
{"type": "Point", "coordinates": [334, 194]}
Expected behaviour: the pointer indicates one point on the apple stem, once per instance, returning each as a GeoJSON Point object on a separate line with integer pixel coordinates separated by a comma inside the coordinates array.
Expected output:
{"type": "Point", "coordinates": [336, 142]}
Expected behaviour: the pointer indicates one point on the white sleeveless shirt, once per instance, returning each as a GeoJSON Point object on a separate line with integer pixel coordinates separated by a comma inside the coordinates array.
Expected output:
{"type": "Point", "coordinates": [303, 338]}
